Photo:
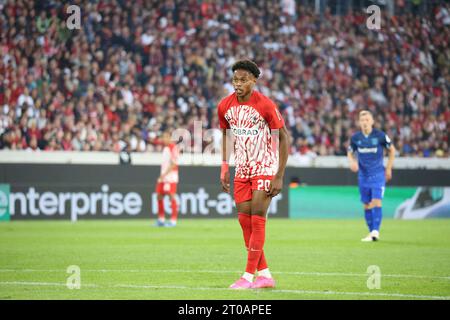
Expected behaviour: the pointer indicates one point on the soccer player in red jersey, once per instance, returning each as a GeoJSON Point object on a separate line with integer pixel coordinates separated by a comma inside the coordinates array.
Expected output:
{"type": "Point", "coordinates": [167, 181]}
{"type": "Point", "coordinates": [253, 119]}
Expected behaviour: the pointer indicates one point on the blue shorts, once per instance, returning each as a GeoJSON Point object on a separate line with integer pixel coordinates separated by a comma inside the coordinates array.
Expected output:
{"type": "Point", "coordinates": [369, 193]}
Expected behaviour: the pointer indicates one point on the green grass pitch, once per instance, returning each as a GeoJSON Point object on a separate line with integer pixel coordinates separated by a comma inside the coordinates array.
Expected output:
{"type": "Point", "coordinates": [199, 259]}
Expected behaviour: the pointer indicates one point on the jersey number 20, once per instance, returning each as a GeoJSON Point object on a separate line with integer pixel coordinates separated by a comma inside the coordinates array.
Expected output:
{"type": "Point", "coordinates": [263, 185]}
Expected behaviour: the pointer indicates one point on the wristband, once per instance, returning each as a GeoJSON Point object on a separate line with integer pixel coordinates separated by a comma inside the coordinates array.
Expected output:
{"type": "Point", "coordinates": [223, 170]}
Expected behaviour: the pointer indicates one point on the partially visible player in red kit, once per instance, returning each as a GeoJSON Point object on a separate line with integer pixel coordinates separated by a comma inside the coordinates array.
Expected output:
{"type": "Point", "coordinates": [167, 181]}
{"type": "Point", "coordinates": [253, 119]}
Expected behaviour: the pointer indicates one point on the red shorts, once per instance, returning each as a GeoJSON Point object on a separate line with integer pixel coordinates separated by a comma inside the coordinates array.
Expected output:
{"type": "Point", "coordinates": [166, 188]}
{"type": "Point", "coordinates": [243, 188]}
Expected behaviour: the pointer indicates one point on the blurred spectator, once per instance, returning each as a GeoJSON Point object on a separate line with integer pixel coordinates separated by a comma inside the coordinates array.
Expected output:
{"type": "Point", "coordinates": [137, 68]}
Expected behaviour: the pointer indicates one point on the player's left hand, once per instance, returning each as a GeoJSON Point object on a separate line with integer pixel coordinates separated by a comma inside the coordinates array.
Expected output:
{"type": "Point", "coordinates": [388, 174]}
{"type": "Point", "coordinates": [275, 186]}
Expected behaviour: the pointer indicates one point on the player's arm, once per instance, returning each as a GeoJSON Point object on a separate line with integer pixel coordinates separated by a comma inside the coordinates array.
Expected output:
{"type": "Point", "coordinates": [352, 162]}
{"type": "Point", "coordinates": [173, 163]}
{"type": "Point", "coordinates": [225, 171]}
{"type": "Point", "coordinates": [387, 143]}
{"type": "Point", "coordinates": [390, 162]}
{"type": "Point", "coordinates": [169, 169]}
{"type": "Point", "coordinates": [277, 182]}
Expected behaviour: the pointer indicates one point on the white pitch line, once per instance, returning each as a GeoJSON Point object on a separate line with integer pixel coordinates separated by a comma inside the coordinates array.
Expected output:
{"type": "Point", "coordinates": [300, 292]}
{"type": "Point", "coordinates": [362, 275]}
{"type": "Point", "coordinates": [399, 295]}
{"type": "Point", "coordinates": [34, 283]}
{"type": "Point", "coordinates": [29, 283]}
{"type": "Point", "coordinates": [332, 274]}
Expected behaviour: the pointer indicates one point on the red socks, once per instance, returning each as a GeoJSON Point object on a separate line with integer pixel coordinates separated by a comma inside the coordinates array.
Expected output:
{"type": "Point", "coordinates": [161, 212]}
{"type": "Point", "coordinates": [254, 231]}
{"type": "Point", "coordinates": [245, 221]}
{"type": "Point", "coordinates": [262, 264]}
{"type": "Point", "coordinates": [174, 210]}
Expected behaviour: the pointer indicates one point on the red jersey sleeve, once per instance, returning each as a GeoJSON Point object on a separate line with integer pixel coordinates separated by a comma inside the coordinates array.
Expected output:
{"type": "Point", "coordinates": [223, 123]}
{"type": "Point", "coordinates": [273, 115]}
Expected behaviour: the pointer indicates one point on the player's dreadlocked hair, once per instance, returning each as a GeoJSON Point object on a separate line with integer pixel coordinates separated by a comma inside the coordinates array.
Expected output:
{"type": "Point", "coordinates": [247, 65]}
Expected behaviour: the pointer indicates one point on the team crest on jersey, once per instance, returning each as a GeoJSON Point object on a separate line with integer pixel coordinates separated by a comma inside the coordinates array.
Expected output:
{"type": "Point", "coordinates": [374, 141]}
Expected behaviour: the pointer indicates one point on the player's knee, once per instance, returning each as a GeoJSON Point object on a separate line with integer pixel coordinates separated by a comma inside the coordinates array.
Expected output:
{"type": "Point", "coordinates": [367, 206]}
{"type": "Point", "coordinates": [258, 212]}
{"type": "Point", "coordinates": [375, 203]}
{"type": "Point", "coordinates": [244, 207]}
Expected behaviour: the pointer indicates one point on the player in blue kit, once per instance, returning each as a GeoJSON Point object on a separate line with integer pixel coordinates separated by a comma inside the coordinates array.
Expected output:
{"type": "Point", "coordinates": [369, 144]}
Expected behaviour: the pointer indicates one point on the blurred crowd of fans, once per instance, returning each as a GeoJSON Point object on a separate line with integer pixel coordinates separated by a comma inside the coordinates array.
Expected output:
{"type": "Point", "coordinates": [136, 68]}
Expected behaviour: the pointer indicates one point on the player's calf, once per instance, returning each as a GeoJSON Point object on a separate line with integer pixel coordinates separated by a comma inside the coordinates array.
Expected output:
{"type": "Point", "coordinates": [377, 213]}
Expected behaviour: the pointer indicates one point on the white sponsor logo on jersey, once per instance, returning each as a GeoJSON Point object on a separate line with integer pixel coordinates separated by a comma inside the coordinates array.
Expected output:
{"type": "Point", "coordinates": [367, 150]}
{"type": "Point", "coordinates": [243, 132]}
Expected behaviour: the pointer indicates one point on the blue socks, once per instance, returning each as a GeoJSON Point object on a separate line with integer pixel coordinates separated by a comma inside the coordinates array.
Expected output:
{"type": "Point", "coordinates": [377, 217]}
{"type": "Point", "coordinates": [368, 213]}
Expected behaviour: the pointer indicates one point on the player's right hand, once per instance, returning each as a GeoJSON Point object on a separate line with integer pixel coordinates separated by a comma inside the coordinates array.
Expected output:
{"type": "Point", "coordinates": [354, 166]}
{"type": "Point", "coordinates": [388, 174]}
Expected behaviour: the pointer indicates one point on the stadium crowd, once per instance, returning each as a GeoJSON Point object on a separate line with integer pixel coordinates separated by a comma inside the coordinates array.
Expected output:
{"type": "Point", "coordinates": [136, 68]}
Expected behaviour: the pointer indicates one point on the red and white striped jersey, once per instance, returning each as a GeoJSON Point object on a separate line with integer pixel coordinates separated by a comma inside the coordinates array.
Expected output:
{"type": "Point", "coordinates": [255, 149]}
{"type": "Point", "coordinates": [170, 155]}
